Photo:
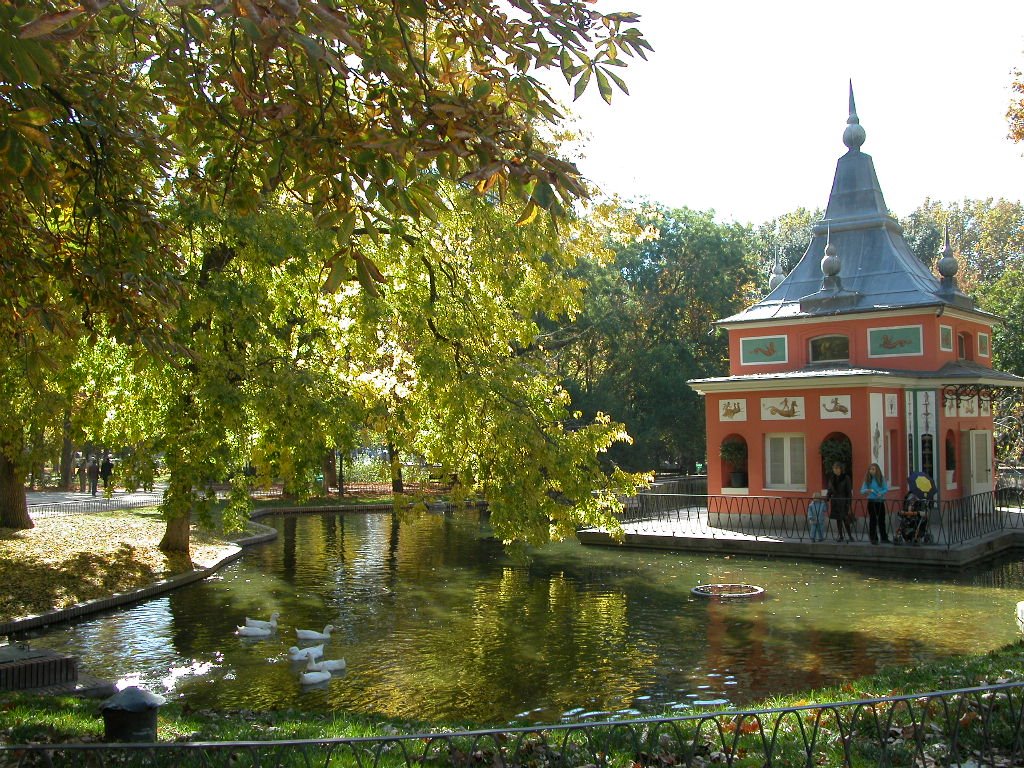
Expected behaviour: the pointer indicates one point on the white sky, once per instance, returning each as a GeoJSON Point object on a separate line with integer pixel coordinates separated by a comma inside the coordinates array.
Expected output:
{"type": "Point", "coordinates": [741, 107]}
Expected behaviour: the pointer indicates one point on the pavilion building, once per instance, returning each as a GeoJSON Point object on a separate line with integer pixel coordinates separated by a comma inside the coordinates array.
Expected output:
{"type": "Point", "coordinates": [862, 349]}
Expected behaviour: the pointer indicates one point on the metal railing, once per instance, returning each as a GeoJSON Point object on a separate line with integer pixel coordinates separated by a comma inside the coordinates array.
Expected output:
{"type": "Point", "coordinates": [91, 506]}
{"type": "Point", "coordinates": [946, 524]}
{"type": "Point", "coordinates": [963, 727]}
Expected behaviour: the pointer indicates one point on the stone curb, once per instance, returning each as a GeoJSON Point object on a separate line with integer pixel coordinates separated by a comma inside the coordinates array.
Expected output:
{"type": "Point", "coordinates": [264, 534]}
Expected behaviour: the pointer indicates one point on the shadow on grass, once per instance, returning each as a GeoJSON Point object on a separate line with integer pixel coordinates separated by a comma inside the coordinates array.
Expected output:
{"type": "Point", "coordinates": [32, 587]}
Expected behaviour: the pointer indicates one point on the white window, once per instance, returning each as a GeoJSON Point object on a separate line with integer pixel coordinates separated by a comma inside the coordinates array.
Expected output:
{"type": "Point", "coordinates": [785, 462]}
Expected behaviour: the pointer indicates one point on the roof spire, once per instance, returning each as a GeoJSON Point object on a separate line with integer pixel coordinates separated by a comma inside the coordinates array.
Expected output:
{"type": "Point", "coordinates": [948, 264]}
{"type": "Point", "coordinates": [854, 135]}
{"type": "Point", "coordinates": [777, 274]}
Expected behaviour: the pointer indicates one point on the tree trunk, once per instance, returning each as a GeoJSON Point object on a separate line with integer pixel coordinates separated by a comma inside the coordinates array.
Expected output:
{"type": "Point", "coordinates": [330, 471]}
{"type": "Point", "coordinates": [341, 474]}
{"type": "Point", "coordinates": [396, 470]}
{"type": "Point", "coordinates": [13, 503]}
{"type": "Point", "coordinates": [176, 537]}
{"type": "Point", "coordinates": [177, 508]}
{"type": "Point", "coordinates": [67, 456]}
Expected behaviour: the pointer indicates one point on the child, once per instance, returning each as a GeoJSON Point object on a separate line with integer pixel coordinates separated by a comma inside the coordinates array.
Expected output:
{"type": "Point", "coordinates": [816, 512]}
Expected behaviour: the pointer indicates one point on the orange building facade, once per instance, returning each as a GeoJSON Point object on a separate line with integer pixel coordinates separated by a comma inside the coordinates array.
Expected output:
{"type": "Point", "coordinates": [861, 349]}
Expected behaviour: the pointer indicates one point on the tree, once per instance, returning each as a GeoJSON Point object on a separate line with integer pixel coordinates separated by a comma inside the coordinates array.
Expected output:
{"type": "Point", "coordinates": [1015, 114]}
{"type": "Point", "coordinates": [986, 235]}
{"type": "Point", "coordinates": [784, 238]}
{"type": "Point", "coordinates": [356, 111]}
{"type": "Point", "coordinates": [648, 325]}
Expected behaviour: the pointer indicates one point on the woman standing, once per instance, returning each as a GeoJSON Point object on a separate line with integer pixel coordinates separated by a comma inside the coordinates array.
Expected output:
{"type": "Point", "coordinates": [840, 495]}
{"type": "Point", "coordinates": [875, 488]}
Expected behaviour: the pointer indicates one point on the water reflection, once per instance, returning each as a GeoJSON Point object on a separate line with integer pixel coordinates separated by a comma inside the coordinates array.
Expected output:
{"type": "Point", "coordinates": [437, 621]}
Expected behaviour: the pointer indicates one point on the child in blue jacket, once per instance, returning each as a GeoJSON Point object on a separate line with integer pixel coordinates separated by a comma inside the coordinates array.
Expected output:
{"type": "Point", "coordinates": [817, 513]}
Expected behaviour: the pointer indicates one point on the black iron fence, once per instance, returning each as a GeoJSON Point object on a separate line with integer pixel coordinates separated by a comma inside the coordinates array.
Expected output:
{"type": "Point", "coordinates": [966, 727]}
{"type": "Point", "coordinates": [946, 523]}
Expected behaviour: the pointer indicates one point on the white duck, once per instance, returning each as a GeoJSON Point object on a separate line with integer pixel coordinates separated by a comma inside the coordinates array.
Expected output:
{"type": "Point", "coordinates": [301, 654]}
{"type": "Point", "coordinates": [271, 625]}
{"type": "Point", "coordinates": [312, 634]}
{"type": "Point", "coordinates": [312, 675]}
{"type": "Point", "coordinates": [252, 632]}
{"type": "Point", "coordinates": [329, 665]}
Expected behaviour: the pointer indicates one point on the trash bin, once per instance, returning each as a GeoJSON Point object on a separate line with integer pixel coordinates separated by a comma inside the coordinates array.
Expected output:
{"type": "Point", "coordinates": [130, 715]}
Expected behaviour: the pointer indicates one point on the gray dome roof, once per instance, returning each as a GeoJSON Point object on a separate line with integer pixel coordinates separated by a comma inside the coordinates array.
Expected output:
{"type": "Point", "coordinates": [878, 269]}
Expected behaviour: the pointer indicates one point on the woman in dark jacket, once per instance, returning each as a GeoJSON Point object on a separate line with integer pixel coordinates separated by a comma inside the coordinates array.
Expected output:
{"type": "Point", "coordinates": [840, 495]}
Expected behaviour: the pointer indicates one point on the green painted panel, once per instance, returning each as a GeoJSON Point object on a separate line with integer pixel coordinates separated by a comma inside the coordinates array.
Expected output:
{"type": "Point", "coordinates": [905, 340]}
{"type": "Point", "coordinates": [763, 349]}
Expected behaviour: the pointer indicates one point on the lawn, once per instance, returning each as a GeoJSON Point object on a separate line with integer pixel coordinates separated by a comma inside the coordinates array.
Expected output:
{"type": "Point", "coordinates": [71, 559]}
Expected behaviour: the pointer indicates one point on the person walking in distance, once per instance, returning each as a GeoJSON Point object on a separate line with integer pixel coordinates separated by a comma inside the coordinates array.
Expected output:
{"type": "Point", "coordinates": [840, 496]}
{"type": "Point", "coordinates": [106, 470]}
{"type": "Point", "coordinates": [875, 488]}
{"type": "Point", "coordinates": [93, 471]}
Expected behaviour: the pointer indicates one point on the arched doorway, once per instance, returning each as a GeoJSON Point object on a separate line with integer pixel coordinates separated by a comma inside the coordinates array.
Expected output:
{"type": "Point", "coordinates": [835, 447]}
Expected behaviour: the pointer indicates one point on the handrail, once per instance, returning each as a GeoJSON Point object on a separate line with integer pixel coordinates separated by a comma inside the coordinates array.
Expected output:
{"type": "Point", "coordinates": [945, 524]}
{"type": "Point", "coordinates": [980, 725]}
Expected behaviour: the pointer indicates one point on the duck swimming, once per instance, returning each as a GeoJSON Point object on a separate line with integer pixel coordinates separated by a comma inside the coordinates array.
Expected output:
{"type": "Point", "coordinates": [312, 675]}
{"type": "Point", "coordinates": [300, 654]}
{"type": "Point", "coordinates": [312, 634]}
{"type": "Point", "coordinates": [253, 631]}
{"type": "Point", "coordinates": [271, 624]}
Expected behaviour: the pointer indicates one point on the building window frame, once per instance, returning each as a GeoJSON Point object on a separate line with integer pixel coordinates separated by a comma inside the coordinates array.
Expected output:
{"type": "Point", "coordinates": [946, 338]}
{"type": "Point", "coordinates": [815, 356]}
{"type": "Point", "coordinates": [984, 345]}
{"type": "Point", "coordinates": [785, 452]}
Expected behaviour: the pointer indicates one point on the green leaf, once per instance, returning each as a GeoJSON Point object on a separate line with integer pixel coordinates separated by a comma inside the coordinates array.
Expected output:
{"type": "Point", "coordinates": [618, 81]}
{"type": "Point", "coordinates": [603, 85]}
{"type": "Point", "coordinates": [26, 67]}
{"type": "Point", "coordinates": [581, 84]}
{"type": "Point", "coordinates": [529, 213]}
{"type": "Point", "coordinates": [36, 116]}
{"type": "Point", "coordinates": [543, 194]}
{"type": "Point", "coordinates": [340, 272]}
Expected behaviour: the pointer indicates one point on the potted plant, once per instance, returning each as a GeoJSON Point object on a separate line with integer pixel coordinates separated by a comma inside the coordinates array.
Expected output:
{"type": "Point", "coordinates": [734, 453]}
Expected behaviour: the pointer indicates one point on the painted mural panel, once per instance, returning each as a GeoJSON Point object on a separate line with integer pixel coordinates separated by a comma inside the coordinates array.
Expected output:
{"type": "Point", "coordinates": [892, 405]}
{"type": "Point", "coordinates": [897, 340]}
{"type": "Point", "coordinates": [876, 407]}
{"type": "Point", "coordinates": [983, 345]}
{"type": "Point", "coordinates": [759, 350]}
{"type": "Point", "coordinates": [734, 409]}
{"type": "Point", "coordinates": [967, 407]}
{"type": "Point", "coordinates": [834, 406]}
{"type": "Point", "coordinates": [949, 406]}
{"type": "Point", "coordinates": [782, 408]}
{"type": "Point", "coordinates": [946, 338]}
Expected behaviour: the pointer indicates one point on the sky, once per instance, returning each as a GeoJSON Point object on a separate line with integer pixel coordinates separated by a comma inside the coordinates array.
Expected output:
{"type": "Point", "coordinates": [741, 107]}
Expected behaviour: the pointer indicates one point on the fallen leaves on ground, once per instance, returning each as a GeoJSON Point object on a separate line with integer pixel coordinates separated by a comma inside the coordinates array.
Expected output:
{"type": "Point", "coordinates": [72, 559]}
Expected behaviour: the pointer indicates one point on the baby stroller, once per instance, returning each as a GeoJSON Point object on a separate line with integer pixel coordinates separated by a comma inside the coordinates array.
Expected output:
{"type": "Point", "coordinates": [913, 523]}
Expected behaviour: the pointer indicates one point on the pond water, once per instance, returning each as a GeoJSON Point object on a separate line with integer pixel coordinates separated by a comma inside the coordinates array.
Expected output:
{"type": "Point", "coordinates": [437, 621]}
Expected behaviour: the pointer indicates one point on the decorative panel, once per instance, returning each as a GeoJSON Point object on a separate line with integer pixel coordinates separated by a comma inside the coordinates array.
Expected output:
{"type": "Point", "coordinates": [983, 345]}
{"type": "Point", "coordinates": [902, 340]}
{"type": "Point", "coordinates": [892, 405]}
{"type": "Point", "coordinates": [834, 406]}
{"type": "Point", "coordinates": [759, 350]}
{"type": "Point", "coordinates": [946, 338]}
{"type": "Point", "coordinates": [732, 410]}
{"type": "Point", "coordinates": [782, 408]}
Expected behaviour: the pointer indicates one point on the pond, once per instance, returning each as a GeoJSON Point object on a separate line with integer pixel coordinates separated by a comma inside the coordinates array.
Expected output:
{"type": "Point", "coordinates": [437, 621]}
